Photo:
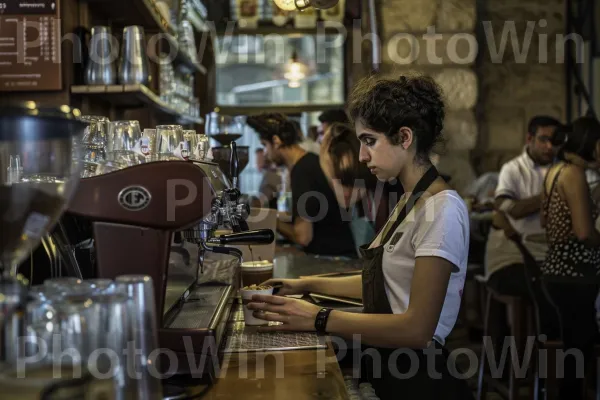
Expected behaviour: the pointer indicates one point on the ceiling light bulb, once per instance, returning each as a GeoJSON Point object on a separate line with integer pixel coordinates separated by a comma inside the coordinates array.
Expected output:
{"type": "Point", "coordinates": [295, 72]}
{"type": "Point", "coordinates": [286, 5]}
{"type": "Point", "coordinates": [294, 84]}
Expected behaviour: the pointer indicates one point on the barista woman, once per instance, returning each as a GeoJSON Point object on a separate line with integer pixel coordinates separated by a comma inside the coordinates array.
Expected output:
{"type": "Point", "coordinates": [414, 269]}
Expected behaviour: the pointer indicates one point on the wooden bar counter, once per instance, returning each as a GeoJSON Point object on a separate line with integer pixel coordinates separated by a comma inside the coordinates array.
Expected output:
{"type": "Point", "coordinates": [297, 374]}
{"type": "Point", "coordinates": [290, 374]}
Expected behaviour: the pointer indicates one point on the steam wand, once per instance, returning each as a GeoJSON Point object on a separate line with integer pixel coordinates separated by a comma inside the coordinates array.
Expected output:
{"type": "Point", "coordinates": [220, 244]}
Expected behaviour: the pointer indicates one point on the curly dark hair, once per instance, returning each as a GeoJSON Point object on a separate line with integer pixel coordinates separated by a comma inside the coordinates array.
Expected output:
{"type": "Point", "coordinates": [386, 105]}
{"type": "Point", "coordinates": [268, 125]}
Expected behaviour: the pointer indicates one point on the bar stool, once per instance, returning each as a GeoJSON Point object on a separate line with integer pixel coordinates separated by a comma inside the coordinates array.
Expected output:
{"type": "Point", "coordinates": [519, 310]}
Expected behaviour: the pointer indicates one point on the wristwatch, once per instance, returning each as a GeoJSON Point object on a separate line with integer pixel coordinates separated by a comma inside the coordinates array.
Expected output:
{"type": "Point", "coordinates": [321, 320]}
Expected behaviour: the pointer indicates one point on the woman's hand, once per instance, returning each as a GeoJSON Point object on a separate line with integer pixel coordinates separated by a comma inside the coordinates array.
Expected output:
{"type": "Point", "coordinates": [294, 315]}
{"type": "Point", "coordinates": [288, 286]}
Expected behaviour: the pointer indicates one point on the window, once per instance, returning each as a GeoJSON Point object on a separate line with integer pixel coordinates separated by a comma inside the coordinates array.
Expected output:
{"type": "Point", "coordinates": [250, 70]}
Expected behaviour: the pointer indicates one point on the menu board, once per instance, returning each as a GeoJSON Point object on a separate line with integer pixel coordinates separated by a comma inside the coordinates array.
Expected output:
{"type": "Point", "coordinates": [30, 58]}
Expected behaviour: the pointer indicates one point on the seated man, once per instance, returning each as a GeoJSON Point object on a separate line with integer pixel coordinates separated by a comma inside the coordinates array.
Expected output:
{"type": "Point", "coordinates": [317, 219]}
{"type": "Point", "coordinates": [518, 196]}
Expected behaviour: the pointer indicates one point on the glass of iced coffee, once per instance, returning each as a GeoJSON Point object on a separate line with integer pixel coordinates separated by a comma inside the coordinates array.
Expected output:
{"type": "Point", "coordinates": [256, 272]}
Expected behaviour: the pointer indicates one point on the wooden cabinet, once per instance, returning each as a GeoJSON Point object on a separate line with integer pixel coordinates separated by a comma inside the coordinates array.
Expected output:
{"type": "Point", "coordinates": [142, 103]}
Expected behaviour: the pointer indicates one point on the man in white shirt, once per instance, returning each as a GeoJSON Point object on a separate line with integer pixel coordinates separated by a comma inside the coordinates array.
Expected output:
{"type": "Point", "coordinates": [518, 195]}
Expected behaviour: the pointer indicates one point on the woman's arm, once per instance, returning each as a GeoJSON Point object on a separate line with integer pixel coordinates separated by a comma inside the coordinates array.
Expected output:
{"type": "Point", "coordinates": [577, 196]}
{"type": "Point", "coordinates": [414, 328]}
{"type": "Point", "coordinates": [350, 286]}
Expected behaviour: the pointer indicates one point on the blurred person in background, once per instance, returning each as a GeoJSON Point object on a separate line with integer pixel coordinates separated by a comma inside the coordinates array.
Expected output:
{"type": "Point", "coordinates": [356, 189]}
{"type": "Point", "coordinates": [392, 189]}
{"type": "Point", "coordinates": [518, 196]}
{"type": "Point", "coordinates": [317, 219]}
{"type": "Point", "coordinates": [313, 133]}
{"type": "Point", "coordinates": [306, 142]}
{"type": "Point", "coordinates": [270, 185]}
{"type": "Point", "coordinates": [330, 117]}
{"type": "Point", "coordinates": [571, 271]}
{"type": "Point", "coordinates": [592, 169]}
{"type": "Point", "coordinates": [480, 193]}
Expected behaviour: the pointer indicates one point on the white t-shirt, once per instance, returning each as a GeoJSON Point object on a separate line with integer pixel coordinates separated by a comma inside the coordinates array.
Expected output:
{"type": "Point", "coordinates": [519, 179]}
{"type": "Point", "coordinates": [439, 228]}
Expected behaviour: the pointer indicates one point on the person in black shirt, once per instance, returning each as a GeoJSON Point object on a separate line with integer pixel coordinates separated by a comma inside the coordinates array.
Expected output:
{"type": "Point", "coordinates": [319, 225]}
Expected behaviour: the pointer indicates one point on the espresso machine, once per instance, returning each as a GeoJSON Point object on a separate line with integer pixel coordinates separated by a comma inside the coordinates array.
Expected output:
{"type": "Point", "coordinates": [160, 219]}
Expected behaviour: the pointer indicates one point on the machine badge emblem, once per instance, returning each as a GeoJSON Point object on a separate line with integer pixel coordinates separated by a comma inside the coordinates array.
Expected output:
{"type": "Point", "coordinates": [134, 198]}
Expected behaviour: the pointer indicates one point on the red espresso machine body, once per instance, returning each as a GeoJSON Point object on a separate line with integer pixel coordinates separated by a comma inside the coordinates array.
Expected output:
{"type": "Point", "coordinates": [158, 219]}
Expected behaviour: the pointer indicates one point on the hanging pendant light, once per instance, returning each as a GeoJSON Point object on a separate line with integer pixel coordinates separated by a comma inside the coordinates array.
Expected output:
{"type": "Point", "coordinates": [293, 5]}
{"type": "Point", "coordinates": [295, 71]}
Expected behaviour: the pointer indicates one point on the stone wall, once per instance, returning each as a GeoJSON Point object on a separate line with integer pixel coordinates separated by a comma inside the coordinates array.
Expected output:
{"type": "Point", "coordinates": [490, 94]}
{"type": "Point", "coordinates": [522, 82]}
{"type": "Point", "coordinates": [437, 37]}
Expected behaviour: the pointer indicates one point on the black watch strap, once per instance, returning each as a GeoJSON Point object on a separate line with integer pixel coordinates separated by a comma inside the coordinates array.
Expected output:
{"type": "Point", "coordinates": [321, 320]}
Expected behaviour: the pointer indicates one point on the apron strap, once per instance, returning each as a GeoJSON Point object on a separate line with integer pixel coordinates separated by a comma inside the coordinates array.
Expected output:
{"type": "Point", "coordinates": [426, 180]}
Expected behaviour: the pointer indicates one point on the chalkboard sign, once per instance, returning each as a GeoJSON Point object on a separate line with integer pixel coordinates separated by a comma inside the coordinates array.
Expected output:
{"type": "Point", "coordinates": [30, 40]}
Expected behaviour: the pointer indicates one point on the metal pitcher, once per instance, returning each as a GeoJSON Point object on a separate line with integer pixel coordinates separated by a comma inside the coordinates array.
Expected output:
{"type": "Point", "coordinates": [104, 51]}
{"type": "Point", "coordinates": [133, 67]}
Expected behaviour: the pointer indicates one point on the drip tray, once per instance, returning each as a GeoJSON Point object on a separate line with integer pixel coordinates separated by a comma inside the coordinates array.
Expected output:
{"type": "Point", "coordinates": [200, 308]}
{"type": "Point", "coordinates": [241, 338]}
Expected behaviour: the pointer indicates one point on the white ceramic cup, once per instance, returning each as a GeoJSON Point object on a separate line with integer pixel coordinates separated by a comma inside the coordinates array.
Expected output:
{"type": "Point", "coordinates": [248, 314]}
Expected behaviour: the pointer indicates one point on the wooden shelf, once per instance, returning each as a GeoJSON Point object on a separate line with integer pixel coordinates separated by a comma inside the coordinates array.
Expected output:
{"type": "Point", "coordinates": [133, 96]}
{"type": "Point", "coordinates": [143, 13]}
{"type": "Point", "coordinates": [130, 12]}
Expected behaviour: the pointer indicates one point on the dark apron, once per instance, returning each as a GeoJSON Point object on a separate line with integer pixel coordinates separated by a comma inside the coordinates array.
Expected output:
{"type": "Point", "coordinates": [407, 378]}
